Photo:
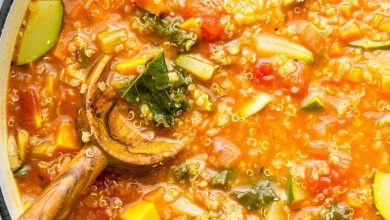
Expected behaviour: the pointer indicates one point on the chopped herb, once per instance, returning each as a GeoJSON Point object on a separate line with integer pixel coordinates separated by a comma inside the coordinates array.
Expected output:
{"type": "Point", "coordinates": [181, 173]}
{"type": "Point", "coordinates": [164, 98]}
{"type": "Point", "coordinates": [220, 179]}
{"type": "Point", "coordinates": [162, 25]}
{"type": "Point", "coordinates": [339, 212]}
{"type": "Point", "coordinates": [256, 196]}
{"type": "Point", "coordinates": [23, 171]}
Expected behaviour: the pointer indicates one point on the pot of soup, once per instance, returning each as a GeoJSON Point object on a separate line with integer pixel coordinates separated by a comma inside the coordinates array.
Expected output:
{"type": "Point", "coordinates": [195, 109]}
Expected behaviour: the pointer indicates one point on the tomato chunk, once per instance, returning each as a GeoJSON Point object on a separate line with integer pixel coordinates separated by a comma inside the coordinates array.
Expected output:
{"type": "Point", "coordinates": [30, 109]}
{"type": "Point", "coordinates": [210, 16]}
{"type": "Point", "coordinates": [263, 70]}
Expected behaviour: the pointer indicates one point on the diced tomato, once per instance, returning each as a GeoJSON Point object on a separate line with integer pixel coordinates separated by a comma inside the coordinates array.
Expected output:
{"type": "Point", "coordinates": [210, 16]}
{"type": "Point", "coordinates": [298, 81]}
{"type": "Point", "coordinates": [263, 71]}
{"type": "Point", "coordinates": [157, 197]}
{"type": "Point", "coordinates": [30, 109]}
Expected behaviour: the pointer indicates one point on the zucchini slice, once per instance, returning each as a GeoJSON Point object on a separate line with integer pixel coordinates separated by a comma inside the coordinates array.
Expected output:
{"type": "Point", "coordinates": [255, 105]}
{"type": "Point", "coordinates": [370, 45]}
{"type": "Point", "coordinates": [312, 103]}
{"type": "Point", "coordinates": [269, 44]}
{"type": "Point", "coordinates": [295, 193]}
{"type": "Point", "coordinates": [382, 193]}
{"type": "Point", "coordinates": [41, 31]}
{"type": "Point", "coordinates": [200, 68]}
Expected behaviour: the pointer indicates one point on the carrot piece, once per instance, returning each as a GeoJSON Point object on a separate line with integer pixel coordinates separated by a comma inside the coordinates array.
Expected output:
{"type": "Point", "coordinates": [355, 75]}
{"type": "Point", "coordinates": [60, 50]}
{"type": "Point", "coordinates": [141, 210]}
{"type": "Point", "coordinates": [129, 67]}
{"type": "Point", "coordinates": [386, 84]}
{"type": "Point", "coordinates": [312, 39]}
{"type": "Point", "coordinates": [66, 136]}
{"type": "Point", "coordinates": [347, 9]}
{"type": "Point", "coordinates": [350, 31]}
{"type": "Point", "coordinates": [157, 197]}
{"type": "Point", "coordinates": [336, 50]}
{"type": "Point", "coordinates": [155, 7]}
{"type": "Point", "coordinates": [385, 27]}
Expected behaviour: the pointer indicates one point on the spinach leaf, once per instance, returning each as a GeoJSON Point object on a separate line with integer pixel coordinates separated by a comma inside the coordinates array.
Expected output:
{"type": "Point", "coordinates": [256, 196]}
{"type": "Point", "coordinates": [220, 179]}
{"type": "Point", "coordinates": [154, 92]}
{"type": "Point", "coordinates": [339, 212]}
{"type": "Point", "coordinates": [162, 25]}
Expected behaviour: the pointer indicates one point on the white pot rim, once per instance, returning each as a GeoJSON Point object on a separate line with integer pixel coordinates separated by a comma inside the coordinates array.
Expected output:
{"type": "Point", "coordinates": [11, 17]}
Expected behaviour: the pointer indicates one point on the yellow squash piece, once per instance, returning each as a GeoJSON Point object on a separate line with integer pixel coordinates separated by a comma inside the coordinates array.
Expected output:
{"type": "Point", "coordinates": [198, 67]}
{"type": "Point", "coordinates": [66, 137]}
{"type": "Point", "coordinates": [191, 25]}
{"type": "Point", "coordinates": [382, 194]}
{"type": "Point", "coordinates": [255, 105]}
{"type": "Point", "coordinates": [41, 31]}
{"type": "Point", "coordinates": [141, 210]}
{"type": "Point", "coordinates": [109, 40]}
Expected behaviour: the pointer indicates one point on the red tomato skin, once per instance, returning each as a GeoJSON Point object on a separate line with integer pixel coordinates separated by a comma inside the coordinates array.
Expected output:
{"type": "Point", "coordinates": [210, 17]}
{"type": "Point", "coordinates": [263, 72]}
{"type": "Point", "coordinates": [298, 81]}
{"type": "Point", "coordinates": [30, 109]}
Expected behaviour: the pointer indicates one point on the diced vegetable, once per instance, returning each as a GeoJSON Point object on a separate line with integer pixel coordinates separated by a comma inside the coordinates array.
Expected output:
{"type": "Point", "coordinates": [159, 97]}
{"type": "Point", "coordinates": [369, 44]}
{"type": "Point", "coordinates": [276, 211]}
{"type": "Point", "coordinates": [313, 40]}
{"type": "Point", "coordinates": [13, 155]}
{"type": "Point", "coordinates": [220, 179]}
{"type": "Point", "coordinates": [23, 171]}
{"type": "Point", "coordinates": [295, 193]}
{"type": "Point", "coordinates": [384, 120]}
{"type": "Point", "coordinates": [381, 193]}
{"type": "Point", "coordinates": [130, 67]}
{"type": "Point", "coordinates": [347, 9]}
{"type": "Point", "coordinates": [256, 196]}
{"type": "Point", "coordinates": [386, 84]}
{"type": "Point", "coordinates": [66, 136]}
{"type": "Point", "coordinates": [270, 45]}
{"type": "Point", "coordinates": [191, 25]}
{"type": "Point", "coordinates": [43, 150]}
{"type": "Point", "coordinates": [109, 40]}
{"type": "Point", "coordinates": [225, 153]}
{"type": "Point", "coordinates": [75, 72]}
{"type": "Point", "coordinates": [30, 109]}
{"type": "Point", "coordinates": [155, 7]}
{"type": "Point", "coordinates": [185, 206]}
{"type": "Point", "coordinates": [48, 90]}
{"type": "Point", "coordinates": [385, 27]}
{"type": "Point", "coordinates": [356, 74]}
{"type": "Point", "coordinates": [41, 31]}
{"type": "Point", "coordinates": [199, 67]}
{"type": "Point", "coordinates": [350, 31]}
{"type": "Point", "coordinates": [255, 105]}
{"type": "Point", "coordinates": [181, 173]}
{"type": "Point", "coordinates": [312, 103]}
{"type": "Point", "coordinates": [23, 138]}
{"type": "Point", "coordinates": [118, 81]}
{"type": "Point", "coordinates": [339, 212]}
{"type": "Point", "coordinates": [157, 197]}
{"type": "Point", "coordinates": [336, 50]}
{"type": "Point", "coordinates": [141, 210]}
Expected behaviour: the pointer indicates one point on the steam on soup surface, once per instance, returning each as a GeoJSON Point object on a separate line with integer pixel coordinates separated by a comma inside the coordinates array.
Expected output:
{"type": "Point", "coordinates": [283, 105]}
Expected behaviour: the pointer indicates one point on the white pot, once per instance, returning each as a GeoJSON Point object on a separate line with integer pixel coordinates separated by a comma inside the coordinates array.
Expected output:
{"type": "Point", "coordinates": [7, 42]}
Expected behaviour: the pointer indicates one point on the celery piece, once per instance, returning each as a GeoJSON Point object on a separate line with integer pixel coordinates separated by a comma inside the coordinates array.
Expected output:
{"type": "Point", "coordinates": [108, 40]}
{"type": "Point", "coordinates": [255, 105]}
{"type": "Point", "coordinates": [269, 44]}
{"type": "Point", "coordinates": [198, 67]}
{"type": "Point", "coordinates": [369, 44]}
{"type": "Point", "coordinates": [41, 31]}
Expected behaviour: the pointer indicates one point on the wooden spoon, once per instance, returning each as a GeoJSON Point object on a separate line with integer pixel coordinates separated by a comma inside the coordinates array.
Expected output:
{"type": "Point", "coordinates": [121, 146]}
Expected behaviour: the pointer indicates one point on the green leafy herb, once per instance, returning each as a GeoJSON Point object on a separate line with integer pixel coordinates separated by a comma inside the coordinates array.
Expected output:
{"type": "Point", "coordinates": [220, 179]}
{"type": "Point", "coordinates": [23, 171]}
{"type": "Point", "coordinates": [181, 173]}
{"type": "Point", "coordinates": [159, 92]}
{"type": "Point", "coordinates": [162, 25]}
{"type": "Point", "coordinates": [257, 196]}
{"type": "Point", "coordinates": [339, 212]}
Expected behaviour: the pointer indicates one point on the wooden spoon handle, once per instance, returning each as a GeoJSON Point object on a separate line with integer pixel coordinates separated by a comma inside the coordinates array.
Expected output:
{"type": "Point", "coordinates": [57, 199]}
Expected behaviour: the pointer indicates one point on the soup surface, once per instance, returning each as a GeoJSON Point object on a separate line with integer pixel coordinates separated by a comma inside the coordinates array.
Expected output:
{"type": "Point", "coordinates": [283, 106]}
